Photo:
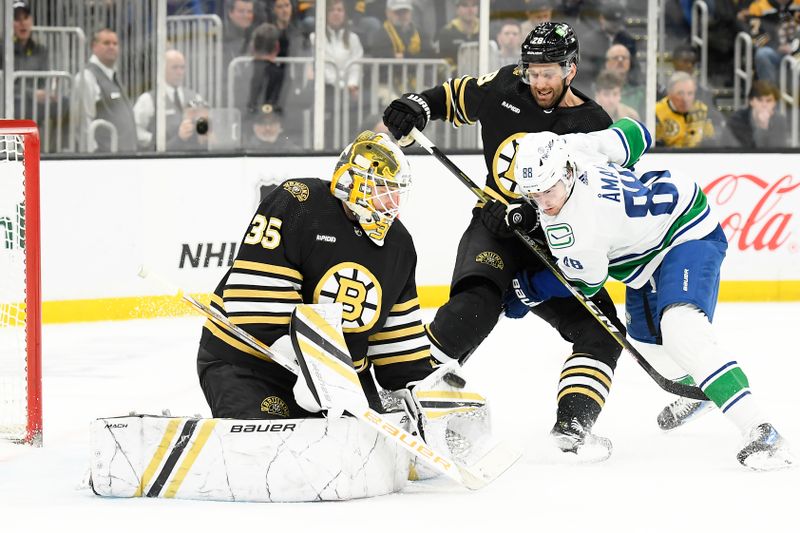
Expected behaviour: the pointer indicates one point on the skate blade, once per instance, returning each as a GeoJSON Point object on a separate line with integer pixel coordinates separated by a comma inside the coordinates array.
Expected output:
{"type": "Point", "coordinates": [672, 423]}
{"type": "Point", "coordinates": [766, 461]}
{"type": "Point", "coordinates": [590, 452]}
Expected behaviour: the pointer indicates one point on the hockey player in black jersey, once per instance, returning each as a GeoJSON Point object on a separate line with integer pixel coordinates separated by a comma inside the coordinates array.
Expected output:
{"type": "Point", "coordinates": [534, 95]}
{"type": "Point", "coordinates": [313, 241]}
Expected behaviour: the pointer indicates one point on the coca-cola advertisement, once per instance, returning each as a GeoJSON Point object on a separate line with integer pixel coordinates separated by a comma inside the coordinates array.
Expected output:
{"type": "Point", "coordinates": [757, 200]}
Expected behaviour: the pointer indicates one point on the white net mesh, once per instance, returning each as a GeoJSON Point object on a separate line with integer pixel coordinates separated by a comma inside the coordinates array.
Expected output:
{"type": "Point", "coordinates": [13, 353]}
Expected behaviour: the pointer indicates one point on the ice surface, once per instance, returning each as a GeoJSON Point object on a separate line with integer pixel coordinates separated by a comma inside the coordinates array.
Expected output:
{"type": "Point", "coordinates": [686, 480]}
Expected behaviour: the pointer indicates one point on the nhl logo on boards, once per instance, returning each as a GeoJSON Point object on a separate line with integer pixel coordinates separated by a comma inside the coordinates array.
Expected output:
{"type": "Point", "coordinates": [297, 189]}
{"type": "Point", "coordinates": [491, 259]}
{"type": "Point", "coordinates": [275, 406]}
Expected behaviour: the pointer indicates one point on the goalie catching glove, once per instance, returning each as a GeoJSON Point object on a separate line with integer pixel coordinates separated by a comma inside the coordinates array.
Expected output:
{"type": "Point", "coordinates": [406, 113]}
{"type": "Point", "coordinates": [501, 220]}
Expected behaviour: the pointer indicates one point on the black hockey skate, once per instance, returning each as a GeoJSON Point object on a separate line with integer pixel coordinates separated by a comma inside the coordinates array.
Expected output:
{"type": "Point", "coordinates": [765, 450]}
{"type": "Point", "coordinates": [681, 411]}
{"type": "Point", "coordinates": [572, 437]}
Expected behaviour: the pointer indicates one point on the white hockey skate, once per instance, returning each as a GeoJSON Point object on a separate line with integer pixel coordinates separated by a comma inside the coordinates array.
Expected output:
{"type": "Point", "coordinates": [766, 450]}
{"type": "Point", "coordinates": [682, 411]}
{"type": "Point", "coordinates": [572, 437]}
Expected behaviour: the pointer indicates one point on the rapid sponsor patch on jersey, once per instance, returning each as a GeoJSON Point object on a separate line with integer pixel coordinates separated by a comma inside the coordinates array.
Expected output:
{"type": "Point", "coordinates": [357, 289]}
{"type": "Point", "coordinates": [297, 189]}
{"type": "Point", "coordinates": [560, 236]}
{"type": "Point", "coordinates": [491, 259]}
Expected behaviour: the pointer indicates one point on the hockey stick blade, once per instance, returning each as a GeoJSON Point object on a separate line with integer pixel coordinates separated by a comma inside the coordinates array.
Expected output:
{"type": "Point", "coordinates": [668, 385]}
{"type": "Point", "coordinates": [491, 466]}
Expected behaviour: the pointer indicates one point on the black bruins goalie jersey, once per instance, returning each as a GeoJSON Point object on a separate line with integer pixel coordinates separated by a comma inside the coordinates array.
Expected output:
{"type": "Point", "coordinates": [507, 110]}
{"type": "Point", "coordinates": [302, 248]}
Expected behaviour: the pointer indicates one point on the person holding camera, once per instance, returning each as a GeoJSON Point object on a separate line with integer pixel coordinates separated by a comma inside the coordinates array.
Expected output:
{"type": "Point", "coordinates": [193, 134]}
{"type": "Point", "coordinates": [176, 98]}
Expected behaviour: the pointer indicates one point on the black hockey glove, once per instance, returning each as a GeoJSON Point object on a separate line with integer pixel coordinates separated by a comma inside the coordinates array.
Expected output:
{"type": "Point", "coordinates": [493, 216]}
{"type": "Point", "coordinates": [404, 113]}
{"type": "Point", "coordinates": [522, 215]}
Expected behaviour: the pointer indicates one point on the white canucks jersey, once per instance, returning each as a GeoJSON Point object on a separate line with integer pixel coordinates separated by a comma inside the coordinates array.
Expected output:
{"type": "Point", "coordinates": [621, 224]}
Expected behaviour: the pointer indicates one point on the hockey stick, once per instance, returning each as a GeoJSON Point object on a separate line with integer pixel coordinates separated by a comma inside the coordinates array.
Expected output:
{"type": "Point", "coordinates": [667, 384]}
{"type": "Point", "coordinates": [474, 477]}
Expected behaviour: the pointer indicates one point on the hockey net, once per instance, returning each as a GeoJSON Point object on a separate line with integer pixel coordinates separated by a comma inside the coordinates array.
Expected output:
{"type": "Point", "coordinates": [20, 304]}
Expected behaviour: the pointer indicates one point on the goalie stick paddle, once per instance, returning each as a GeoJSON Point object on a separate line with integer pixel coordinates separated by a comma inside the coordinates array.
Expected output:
{"type": "Point", "coordinates": [668, 385]}
{"type": "Point", "coordinates": [487, 469]}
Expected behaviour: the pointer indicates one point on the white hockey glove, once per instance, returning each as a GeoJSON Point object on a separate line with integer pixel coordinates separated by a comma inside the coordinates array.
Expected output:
{"type": "Point", "coordinates": [449, 416]}
{"type": "Point", "coordinates": [302, 394]}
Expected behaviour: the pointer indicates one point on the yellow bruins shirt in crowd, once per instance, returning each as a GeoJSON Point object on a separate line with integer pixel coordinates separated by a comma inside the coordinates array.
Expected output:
{"type": "Point", "coordinates": [682, 130]}
{"type": "Point", "coordinates": [301, 247]}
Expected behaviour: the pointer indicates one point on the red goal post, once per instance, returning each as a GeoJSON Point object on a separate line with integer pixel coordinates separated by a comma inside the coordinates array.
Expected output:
{"type": "Point", "coordinates": [20, 284]}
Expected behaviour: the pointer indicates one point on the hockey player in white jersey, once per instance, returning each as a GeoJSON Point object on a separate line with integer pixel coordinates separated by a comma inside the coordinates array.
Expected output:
{"type": "Point", "coordinates": [654, 232]}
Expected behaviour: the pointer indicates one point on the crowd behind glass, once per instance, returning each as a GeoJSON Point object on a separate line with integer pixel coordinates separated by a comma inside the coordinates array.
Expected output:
{"type": "Point", "coordinates": [239, 74]}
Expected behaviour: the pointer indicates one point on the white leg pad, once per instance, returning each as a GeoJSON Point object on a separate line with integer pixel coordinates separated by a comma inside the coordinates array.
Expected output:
{"type": "Point", "coordinates": [244, 460]}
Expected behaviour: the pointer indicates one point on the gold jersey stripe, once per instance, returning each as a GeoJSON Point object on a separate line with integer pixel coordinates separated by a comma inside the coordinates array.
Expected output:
{"type": "Point", "coordinates": [269, 269]}
{"type": "Point", "coordinates": [581, 390]}
{"type": "Point", "coordinates": [191, 456]}
{"type": "Point", "coordinates": [404, 332]}
{"type": "Point", "coordinates": [405, 306]}
{"type": "Point", "coordinates": [216, 299]}
{"type": "Point", "coordinates": [233, 341]}
{"type": "Point", "coordinates": [461, 92]}
{"type": "Point", "coordinates": [422, 354]}
{"type": "Point", "coordinates": [360, 365]}
{"type": "Point", "coordinates": [275, 320]}
{"type": "Point", "coordinates": [599, 376]}
{"type": "Point", "coordinates": [161, 451]}
{"type": "Point", "coordinates": [254, 293]}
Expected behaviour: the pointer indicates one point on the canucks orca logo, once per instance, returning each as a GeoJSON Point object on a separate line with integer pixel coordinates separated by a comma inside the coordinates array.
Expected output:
{"type": "Point", "coordinates": [359, 292]}
{"type": "Point", "coordinates": [503, 166]}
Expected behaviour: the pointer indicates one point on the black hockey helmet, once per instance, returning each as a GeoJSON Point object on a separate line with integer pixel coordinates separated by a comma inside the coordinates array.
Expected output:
{"type": "Point", "coordinates": [550, 42]}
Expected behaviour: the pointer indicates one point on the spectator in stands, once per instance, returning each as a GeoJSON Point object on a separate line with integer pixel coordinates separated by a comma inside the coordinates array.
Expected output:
{"type": "Point", "coordinates": [460, 30]}
{"type": "Point", "coordinates": [177, 96]}
{"type": "Point", "coordinates": [598, 34]}
{"type": "Point", "coordinates": [399, 37]}
{"type": "Point", "coordinates": [608, 92]}
{"type": "Point", "coordinates": [759, 125]}
{"type": "Point", "coordinates": [292, 40]}
{"type": "Point", "coordinates": [28, 55]}
{"type": "Point", "coordinates": [342, 47]}
{"type": "Point", "coordinates": [194, 130]}
{"type": "Point", "coordinates": [508, 39]}
{"type": "Point", "coordinates": [774, 28]}
{"type": "Point", "coordinates": [681, 120]}
{"type": "Point", "coordinates": [618, 59]}
{"type": "Point", "coordinates": [685, 59]}
{"type": "Point", "coordinates": [266, 83]}
{"type": "Point", "coordinates": [237, 29]}
{"type": "Point", "coordinates": [266, 133]}
{"type": "Point", "coordinates": [103, 97]}
{"type": "Point", "coordinates": [536, 12]}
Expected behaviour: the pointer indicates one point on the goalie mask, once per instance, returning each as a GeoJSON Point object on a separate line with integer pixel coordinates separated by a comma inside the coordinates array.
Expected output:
{"type": "Point", "coordinates": [545, 170]}
{"type": "Point", "coordinates": [372, 178]}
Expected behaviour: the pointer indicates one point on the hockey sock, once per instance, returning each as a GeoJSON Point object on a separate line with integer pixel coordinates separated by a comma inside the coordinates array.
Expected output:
{"type": "Point", "coordinates": [583, 388]}
{"type": "Point", "coordinates": [689, 338]}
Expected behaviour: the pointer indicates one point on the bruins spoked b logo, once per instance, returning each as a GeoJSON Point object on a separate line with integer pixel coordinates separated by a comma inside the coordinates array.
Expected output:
{"type": "Point", "coordinates": [357, 289]}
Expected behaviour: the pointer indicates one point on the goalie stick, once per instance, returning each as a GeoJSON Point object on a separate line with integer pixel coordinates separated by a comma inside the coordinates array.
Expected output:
{"type": "Point", "coordinates": [475, 476]}
{"type": "Point", "coordinates": [668, 385]}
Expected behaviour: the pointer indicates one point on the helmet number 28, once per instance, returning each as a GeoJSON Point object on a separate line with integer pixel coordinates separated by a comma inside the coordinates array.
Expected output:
{"type": "Point", "coordinates": [265, 232]}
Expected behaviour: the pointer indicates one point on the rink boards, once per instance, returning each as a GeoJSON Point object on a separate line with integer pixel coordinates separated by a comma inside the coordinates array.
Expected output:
{"type": "Point", "coordinates": [185, 217]}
